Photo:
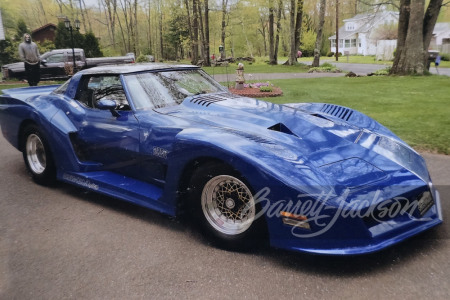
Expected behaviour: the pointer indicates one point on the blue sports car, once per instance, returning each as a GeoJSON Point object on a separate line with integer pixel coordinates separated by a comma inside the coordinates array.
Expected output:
{"type": "Point", "coordinates": [309, 177]}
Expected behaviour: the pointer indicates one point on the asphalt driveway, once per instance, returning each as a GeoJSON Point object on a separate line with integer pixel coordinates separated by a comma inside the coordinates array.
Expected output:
{"type": "Point", "coordinates": [66, 243]}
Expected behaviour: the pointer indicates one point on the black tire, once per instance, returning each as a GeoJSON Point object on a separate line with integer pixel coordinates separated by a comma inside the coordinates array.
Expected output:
{"type": "Point", "coordinates": [37, 156]}
{"type": "Point", "coordinates": [222, 205]}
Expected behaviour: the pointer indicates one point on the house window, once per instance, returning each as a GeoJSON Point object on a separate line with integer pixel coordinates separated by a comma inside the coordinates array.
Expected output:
{"type": "Point", "coordinates": [350, 26]}
{"type": "Point", "coordinates": [347, 43]}
{"type": "Point", "coordinates": [359, 42]}
{"type": "Point", "coordinates": [353, 42]}
{"type": "Point", "coordinates": [341, 43]}
{"type": "Point", "coordinates": [333, 43]}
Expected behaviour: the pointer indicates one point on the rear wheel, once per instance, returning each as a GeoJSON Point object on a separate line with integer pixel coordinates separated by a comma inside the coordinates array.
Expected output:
{"type": "Point", "coordinates": [224, 207]}
{"type": "Point", "coordinates": [37, 156]}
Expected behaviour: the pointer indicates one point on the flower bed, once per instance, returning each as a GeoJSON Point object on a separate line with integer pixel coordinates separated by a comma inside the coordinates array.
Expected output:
{"type": "Point", "coordinates": [258, 90]}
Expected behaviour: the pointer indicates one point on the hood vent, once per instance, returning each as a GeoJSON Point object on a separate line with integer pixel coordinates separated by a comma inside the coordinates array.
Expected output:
{"type": "Point", "coordinates": [337, 111]}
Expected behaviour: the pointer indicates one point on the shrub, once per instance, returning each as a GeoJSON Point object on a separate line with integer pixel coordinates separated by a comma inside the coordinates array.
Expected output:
{"type": "Point", "coordinates": [142, 58]}
{"type": "Point", "coordinates": [266, 89]}
{"type": "Point", "coordinates": [382, 72]}
{"type": "Point", "coordinates": [445, 57]}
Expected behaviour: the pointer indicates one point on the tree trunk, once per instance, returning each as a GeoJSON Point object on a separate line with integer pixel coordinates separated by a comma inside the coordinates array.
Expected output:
{"type": "Point", "coordinates": [201, 30]}
{"type": "Point", "coordinates": [224, 15]}
{"type": "Point", "coordinates": [194, 60]}
{"type": "Point", "coordinates": [318, 45]}
{"type": "Point", "coordinates": [298, 25]}
{"type": "Point", "coordinates": [292, 50]}
{"type": "Point", "coordinates": [277, 38]}
{"type": "Point", "coordinates": [429, 21]}
{"type": "Point", "coordinates": [414, 35]}
{"type": "Point", "coordinates": [207, 51]}
{"type": "Point", "coordinates": [271, 35]}
{"type": "Point", "coordinates": [412, 56]}
{"type": "Point", "coordinates": [337, 31]}
{"type": "Point", "coordinates": [191, 35]}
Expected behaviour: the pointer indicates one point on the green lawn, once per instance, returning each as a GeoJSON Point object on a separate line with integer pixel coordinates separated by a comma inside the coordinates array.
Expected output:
{"type": "Point", "coordinates": [415, 108]}
{"type": "Point", "coordinates": [258, 68]}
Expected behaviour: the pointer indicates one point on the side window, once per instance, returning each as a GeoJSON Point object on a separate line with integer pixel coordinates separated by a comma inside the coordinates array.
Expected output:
{"type": "Point", "coordinates": [95, 88]}
{"type": "Point", "coordinates": [55, 58]}
{"type": "Point", "coordinates": [77, 57]}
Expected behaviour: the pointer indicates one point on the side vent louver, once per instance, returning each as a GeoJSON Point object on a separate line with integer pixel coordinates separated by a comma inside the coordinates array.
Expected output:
{"type": "Point", "coordinates": [337, 111]}
{"type": "Point", "coordinates": [207, 100]}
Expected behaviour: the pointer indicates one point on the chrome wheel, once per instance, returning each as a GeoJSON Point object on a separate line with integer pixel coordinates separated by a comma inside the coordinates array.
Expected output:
{"type": "Point", "coordinates": [35, 154]}
{"type": "Point", "coordinates": [228, 205]}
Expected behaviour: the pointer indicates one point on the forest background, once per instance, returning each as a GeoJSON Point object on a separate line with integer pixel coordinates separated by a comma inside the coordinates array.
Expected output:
{"type": "Point", "coordinates": [175, 29]}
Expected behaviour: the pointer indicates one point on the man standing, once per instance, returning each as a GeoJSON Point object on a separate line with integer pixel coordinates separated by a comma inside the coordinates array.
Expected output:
{"type": "Point", "coordinates": [29, 53]}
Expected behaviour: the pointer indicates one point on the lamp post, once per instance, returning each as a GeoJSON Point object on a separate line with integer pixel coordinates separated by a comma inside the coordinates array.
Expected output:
{"type": "Point", "coordinates": [70, 28]}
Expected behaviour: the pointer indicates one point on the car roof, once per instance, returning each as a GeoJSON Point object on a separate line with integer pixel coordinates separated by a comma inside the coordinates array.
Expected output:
{"type": "Point", "coordinates": [135, 68]}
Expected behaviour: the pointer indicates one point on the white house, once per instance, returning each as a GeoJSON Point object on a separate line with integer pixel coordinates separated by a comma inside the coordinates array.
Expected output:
{"type": "Point", "coordinates": [441, 38]}
{"type": "Point", "coordinates": [362, 33]}
{"type": "Point", "coordinates": [2, 31]}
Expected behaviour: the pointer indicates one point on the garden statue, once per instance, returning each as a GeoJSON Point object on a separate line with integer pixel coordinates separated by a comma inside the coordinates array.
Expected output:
{"type": "Point", "coordinates": [240, 77]}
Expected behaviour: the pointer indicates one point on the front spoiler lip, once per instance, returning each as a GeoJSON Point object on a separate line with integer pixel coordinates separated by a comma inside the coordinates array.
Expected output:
{"type": "Point", "coordinates": [377, 245]}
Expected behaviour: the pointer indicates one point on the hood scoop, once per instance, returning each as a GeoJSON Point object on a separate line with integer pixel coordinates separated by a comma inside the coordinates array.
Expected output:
{"type": "Point", "coordinates": [280, 127]}
{"type": "Point", "coordinates": [337, 111]}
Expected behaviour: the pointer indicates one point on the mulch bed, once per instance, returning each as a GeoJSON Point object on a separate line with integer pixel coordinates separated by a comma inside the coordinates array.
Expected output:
{"type": "Point", "coordinates": [256, 93]}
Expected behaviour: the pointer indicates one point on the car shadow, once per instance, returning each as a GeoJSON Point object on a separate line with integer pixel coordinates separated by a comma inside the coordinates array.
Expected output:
{"type": "Point", "coordinates": [349, 266]}
{"type": "Point", "coordinates": [354, 265]}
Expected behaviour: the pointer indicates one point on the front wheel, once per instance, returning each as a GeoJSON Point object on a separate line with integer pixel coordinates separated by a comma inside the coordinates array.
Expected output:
{"type": "Point", "coordinates": [37, 156]}
{"type": "Point", "coordinates": [224, 207]}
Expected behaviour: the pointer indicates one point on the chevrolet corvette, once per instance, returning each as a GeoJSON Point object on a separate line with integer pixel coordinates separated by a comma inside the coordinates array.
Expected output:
{"type": "Point", "coordinates": [310, 177]}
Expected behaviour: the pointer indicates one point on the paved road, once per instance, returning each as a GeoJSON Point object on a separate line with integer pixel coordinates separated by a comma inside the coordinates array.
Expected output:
{"type": "Point", "coordinates": [65, 243]}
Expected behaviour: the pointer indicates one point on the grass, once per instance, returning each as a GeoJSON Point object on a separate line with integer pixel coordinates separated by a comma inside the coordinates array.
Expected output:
{"type": "Point", "coordinates": [258, 68]}
{"type": "Point", "coordinates": [417, 109]}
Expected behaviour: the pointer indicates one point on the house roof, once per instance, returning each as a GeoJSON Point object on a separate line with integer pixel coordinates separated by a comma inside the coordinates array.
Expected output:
{"type": "Point", "coordinates": [44, 27]}
{"type": "Point", "coordinates": [343, 34]}
{"type": "Point", "coordinates": [441, 29]}
{"type": "Point", "coordinates": [368, 20]}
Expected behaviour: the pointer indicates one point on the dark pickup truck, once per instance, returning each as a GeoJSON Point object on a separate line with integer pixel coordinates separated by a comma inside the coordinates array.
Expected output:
{"type": "Point", "coordinates": [55, 64]}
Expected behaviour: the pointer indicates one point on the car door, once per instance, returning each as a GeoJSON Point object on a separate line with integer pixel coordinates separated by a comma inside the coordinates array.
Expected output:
{"type": "Point", "coordinates": [54, 66]}
{"type": "Point", "coordinates": [107, 137]}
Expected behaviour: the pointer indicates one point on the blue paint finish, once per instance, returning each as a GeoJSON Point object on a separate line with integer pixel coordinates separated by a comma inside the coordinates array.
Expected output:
{"type": "Point", "coordinates": [348, 168]}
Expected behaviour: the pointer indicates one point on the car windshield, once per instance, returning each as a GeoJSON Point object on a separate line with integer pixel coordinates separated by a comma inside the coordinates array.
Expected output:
{"type": "Point", "coordinates": [168, 88]}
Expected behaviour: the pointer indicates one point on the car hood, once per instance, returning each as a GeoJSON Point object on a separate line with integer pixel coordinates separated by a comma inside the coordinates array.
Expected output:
{"type": "Point", "coordinates": [319, 140]}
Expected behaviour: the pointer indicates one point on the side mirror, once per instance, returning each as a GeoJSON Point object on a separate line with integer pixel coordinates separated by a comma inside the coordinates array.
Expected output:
{"type": "Point", "coordinates": [106, 104]}
{"type": "Point", "coordinates": [44, 62]}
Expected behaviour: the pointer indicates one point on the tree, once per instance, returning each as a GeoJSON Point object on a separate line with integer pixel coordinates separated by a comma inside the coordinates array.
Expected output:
{"type": "Point", "coordinates": [91, 46]}
{"type": "Point", "coordinates": [415, 29]}
{"type": "Point", "coordinates": [63, 39]}
{"type": "Point", "coordinates": [178, 31]}
{"type": "Point", "coordinates": [318, 45]}
{"type": "Point", "coordinates": [8, 51]}
{"type": "Point", "coordinates": [21, 29]}
{"type": "Point", "coordinates": [296, 19]}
